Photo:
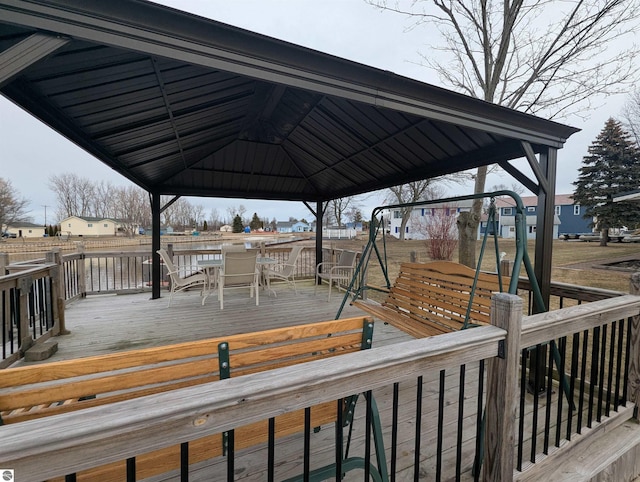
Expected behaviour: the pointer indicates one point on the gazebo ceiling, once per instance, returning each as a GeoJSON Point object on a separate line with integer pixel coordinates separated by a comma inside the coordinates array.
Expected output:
{"type": "Point", "coordinates": [189, 106]}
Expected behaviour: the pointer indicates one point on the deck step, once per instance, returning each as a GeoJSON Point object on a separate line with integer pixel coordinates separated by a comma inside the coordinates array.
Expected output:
{"type": "Point", "coordinates": [611, 457]}
{"type": "Point", "coordinates": [41, 351]}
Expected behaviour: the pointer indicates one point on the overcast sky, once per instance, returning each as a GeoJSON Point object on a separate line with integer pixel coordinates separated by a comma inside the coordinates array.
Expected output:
{"type": "Point", "coordinates": [30, 152]}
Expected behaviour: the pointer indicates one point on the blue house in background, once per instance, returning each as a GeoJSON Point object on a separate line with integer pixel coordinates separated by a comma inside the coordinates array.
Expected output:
{"type": "Point", "coordinates": [289, 227]}
{"type": "Point", "coordinates": [568, 217]}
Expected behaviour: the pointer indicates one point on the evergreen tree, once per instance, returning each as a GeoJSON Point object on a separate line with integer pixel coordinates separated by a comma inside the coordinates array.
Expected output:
{"type": "Point", "coordinates": [255, 223]}
{"type": "Point", "coordinates": [237, 226]}
{"type": "Point", "coordinates": [611, 168]}
{"type": "Point", "coordinates": [205, 226]}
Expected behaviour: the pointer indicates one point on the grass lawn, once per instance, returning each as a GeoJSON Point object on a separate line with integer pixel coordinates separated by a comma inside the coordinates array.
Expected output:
{"type": "Point", "coordinates": [573, 261]}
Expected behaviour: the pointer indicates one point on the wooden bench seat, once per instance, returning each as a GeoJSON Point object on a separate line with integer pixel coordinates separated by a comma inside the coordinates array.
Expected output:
{"type": "Point", "coordinates": [429, 299]}
{"type": "Point", "coordinates": [58, 387]}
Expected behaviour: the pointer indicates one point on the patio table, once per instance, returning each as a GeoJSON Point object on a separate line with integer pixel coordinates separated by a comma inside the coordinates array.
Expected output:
{"type": "Point", "coordinates": [211, 266]}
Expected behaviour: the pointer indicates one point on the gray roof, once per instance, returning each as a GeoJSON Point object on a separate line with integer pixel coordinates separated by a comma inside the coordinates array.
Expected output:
{"type": "Point", "coordinates": [24, 224]}
{"type": "Point", "coordinates": [184, 105]}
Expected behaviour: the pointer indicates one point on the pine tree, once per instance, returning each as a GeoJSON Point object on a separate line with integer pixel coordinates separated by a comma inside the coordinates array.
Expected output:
{"type": "Point", "coordinates": [611, 168]}
{"type": "Point", "coordinates": [237, 226]}
{"type": "Point", "coordinates": [255, 223]}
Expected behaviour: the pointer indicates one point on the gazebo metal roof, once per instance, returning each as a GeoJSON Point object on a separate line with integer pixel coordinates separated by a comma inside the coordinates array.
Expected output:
{"type": "Point", "coordinates": [184, 105]}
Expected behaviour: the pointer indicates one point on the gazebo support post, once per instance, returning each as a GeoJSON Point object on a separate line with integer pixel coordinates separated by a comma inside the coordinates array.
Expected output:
{"type": "Point", "coordinates": [155, 245]}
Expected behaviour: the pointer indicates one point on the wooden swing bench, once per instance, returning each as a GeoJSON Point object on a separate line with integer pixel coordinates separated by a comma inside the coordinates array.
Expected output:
{"type": "Point", "coordinates": [430, 299]}
{"type": "Point", "coordinates": [59, 387]}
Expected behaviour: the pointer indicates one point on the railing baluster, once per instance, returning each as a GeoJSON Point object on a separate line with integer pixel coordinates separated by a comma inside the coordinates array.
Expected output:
{"type": "Point", "coordinates": [612, 353]}
{"type": "Point", "coordinates": [583, 376]}
{"type": "Point", "coordinates": [440, 435]}
{"type": "Point", "coordinates": [131, 469]}
{"type": "Point", "coordinates": [418, 431]}
{"type": "Point", "coordinates": [463, 369]}
{"type": "Point", "coordinates": [593, 379]}
{"type": "Point", "coordinates": [307, 443]}
{"type": "Point", "coordinates": [184, 462]}
{"type": "Point", "coordinates": [394, 431]}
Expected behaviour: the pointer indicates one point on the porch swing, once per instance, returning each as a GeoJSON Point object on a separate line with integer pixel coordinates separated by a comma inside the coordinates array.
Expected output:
{"type": "Point", "coordinates": [478, 282]}
{"type": "Point", "coordinates": [439, 297]}
{"type": "Point", "coordinates": [404, 309]}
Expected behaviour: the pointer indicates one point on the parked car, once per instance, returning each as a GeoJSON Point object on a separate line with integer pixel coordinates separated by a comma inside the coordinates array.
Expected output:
{"type": "Point", "coordinates": [8, 235]}
{"type": "Point", "coordinates": [632, 236]}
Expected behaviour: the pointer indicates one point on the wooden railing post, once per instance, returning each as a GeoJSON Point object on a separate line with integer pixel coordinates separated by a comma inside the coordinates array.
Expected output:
{"type": "Point", "coordinates": [502, 390]}
{"type": "Point", "coordinates": [634, 351]}
{"type": "Point", "coordinates": [82, 275]}
{"type": "Point", "coordinates": [4, 262]}
{"type": "Point", "coordinates": [57, 292]}
{"type": "Point", "coordinates": [24, 286]}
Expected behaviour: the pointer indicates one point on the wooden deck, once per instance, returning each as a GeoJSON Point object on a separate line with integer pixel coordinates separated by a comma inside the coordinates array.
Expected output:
{"type": "Point", "coordinates": [111, 323]}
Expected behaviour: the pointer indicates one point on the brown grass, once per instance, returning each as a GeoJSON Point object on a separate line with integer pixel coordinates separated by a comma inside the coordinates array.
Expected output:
{"type": "Point", "coordinates": [573, 261]}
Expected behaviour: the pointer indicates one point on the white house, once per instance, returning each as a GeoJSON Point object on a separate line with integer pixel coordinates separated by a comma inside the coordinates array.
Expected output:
{"type": "Point", "coordinates": [24, 229]}
{"type": "Point", "coordinates": [289, 227]}
{"type": "Point", "coordinates": [423, 216]}
{"type": "Point", "coordinates": [90, 226]}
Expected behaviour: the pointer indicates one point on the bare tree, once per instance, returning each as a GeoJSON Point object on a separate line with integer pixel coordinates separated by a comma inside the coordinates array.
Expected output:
{"type": "Point", "coordinates": [74, 195]}
{"type": "Point", "coordinates": [12, 206]}
{"type": "Point", "coordinates": [232, 211]}
{"type": "Point", "coordinates": [104, 200]}
{"type": "Point", "coordinates": [197, 214]}
{"type": "Point", "coordinates": [132, 208]}
{"type": "Point", "coordinates": [337, 208]}
{"type": "Point", "coordinates": [542, 57]}
{"type": "Point", "coordinates": [631, 115]}
{"type": "Point", "coordinates": [214, 220]}
{"type": "Point", "coordinates": [407, 193]}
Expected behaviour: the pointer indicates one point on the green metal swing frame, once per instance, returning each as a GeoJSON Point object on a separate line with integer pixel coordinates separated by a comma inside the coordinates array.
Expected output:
{"type": "Point", "coordinates": [521, 257]}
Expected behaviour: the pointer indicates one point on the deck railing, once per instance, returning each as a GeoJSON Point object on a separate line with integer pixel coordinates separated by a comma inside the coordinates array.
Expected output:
{"type": "Point", "coordinates": [591, 359]}
{"type": "Point", "coordinates": [103, 272]}
{"type": "Point", "coordinates": [69, 443]}
{"type": "Point", "coordinates": [29, 304]}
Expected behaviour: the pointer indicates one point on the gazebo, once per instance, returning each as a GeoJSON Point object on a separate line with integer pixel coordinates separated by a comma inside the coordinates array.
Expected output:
{"type": "Point", "coordinates": [186, 106]}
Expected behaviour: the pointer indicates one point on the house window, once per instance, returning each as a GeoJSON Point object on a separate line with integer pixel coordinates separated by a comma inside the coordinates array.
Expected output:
{"type": "Point", "coordinates": [507, 211]}
{"type": "Point", "coordinates": [69, 224]}
{"type": "Point", "coordinates": [396, 229]}
{"type": "Point", "coordinates": [532, 229]}
{"type": "Point", "coordinates": [531, 209]}
{"type": "Point", "coordinates": [89, 225]}
{"type": "Point", "coordinates": [397, 214]}
{"type": "Point", "coordinates": [106, 225]}
{"type": "Point", "coordinates": [558, 210]}
{"type": "Point", "coordinates": [576, 209]}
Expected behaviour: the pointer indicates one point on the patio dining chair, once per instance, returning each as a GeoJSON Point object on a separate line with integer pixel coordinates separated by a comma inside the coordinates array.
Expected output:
{"type": "Point", "coordinates": [190, 279]}
{"type": "Point", "coordinates": [285, 271]}
{"type": "Point", "coordinates": [340, 271]}
{"type": "Point", "coordinates": [239, 270]}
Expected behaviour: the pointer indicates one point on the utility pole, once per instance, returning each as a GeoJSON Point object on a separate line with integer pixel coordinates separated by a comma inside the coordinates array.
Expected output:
{"type": "Point", "coordinates": [45, 206]}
